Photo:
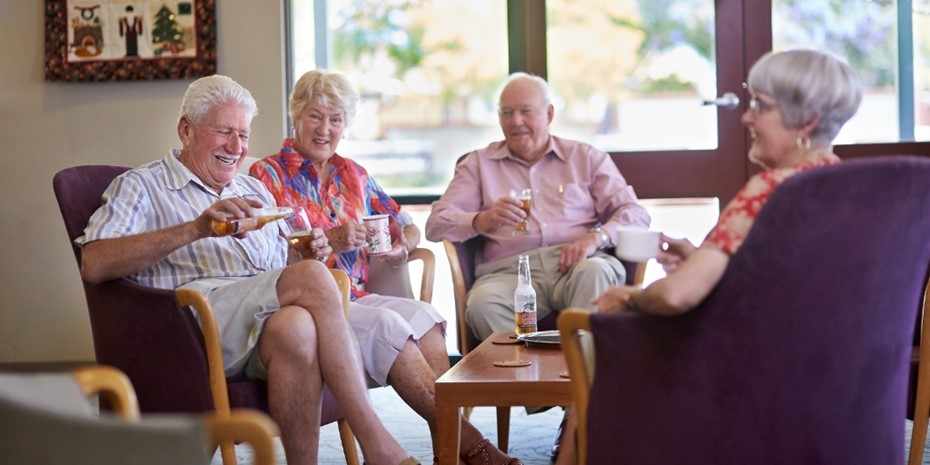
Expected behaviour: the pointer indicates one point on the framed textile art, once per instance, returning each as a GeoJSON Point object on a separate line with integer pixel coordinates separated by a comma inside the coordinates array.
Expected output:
{"type": "Point", "coordinates": [122, 40]}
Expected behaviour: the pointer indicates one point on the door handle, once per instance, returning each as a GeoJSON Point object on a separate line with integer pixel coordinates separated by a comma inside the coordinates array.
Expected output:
{"type": "Point", "coordinates": [727, 101]}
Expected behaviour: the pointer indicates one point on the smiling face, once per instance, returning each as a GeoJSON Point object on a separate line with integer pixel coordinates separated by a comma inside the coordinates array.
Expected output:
{"type": "Point", "coordinates": [772, 143]}
{"type": "Point", "coordinates": [524, 118]}
{"type": "Point", "coordinates": [317, 131]}
{"type": "Point", "coordinates": [214, 149]}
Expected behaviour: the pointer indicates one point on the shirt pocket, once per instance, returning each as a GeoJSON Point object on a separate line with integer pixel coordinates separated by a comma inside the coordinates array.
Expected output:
{"type": "Point", "coordinates": [575, 200]}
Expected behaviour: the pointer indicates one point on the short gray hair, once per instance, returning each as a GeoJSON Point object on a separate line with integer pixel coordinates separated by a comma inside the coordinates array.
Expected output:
{"type": "Point", "coordinates": [540, 83]}
{"type": "Point", "coordinates": [807, 83]}
{"type": "Point", "coordinates": [207, 93]}
{"type": "Point", "coordinates": [330, 89]}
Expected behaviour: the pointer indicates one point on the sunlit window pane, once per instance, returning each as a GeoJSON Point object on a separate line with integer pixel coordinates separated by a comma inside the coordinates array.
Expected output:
{"type": "Point", "coordinates": [626, 71]}
{"type": "Point", "coordinates": [427, 72]}
{"type": "Point", "coordinates": [865, 34]}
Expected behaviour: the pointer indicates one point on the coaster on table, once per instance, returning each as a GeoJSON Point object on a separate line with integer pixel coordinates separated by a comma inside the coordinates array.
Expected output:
{"type": "Point", "coordinates": [512, 363]}
{"type": "Point", "coordinates": [565, 374]}
{"type": "Point", "coordinates": [504, 340]}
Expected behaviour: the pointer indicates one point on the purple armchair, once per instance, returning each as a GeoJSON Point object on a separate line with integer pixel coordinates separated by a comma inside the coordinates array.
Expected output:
{"type": "Point", "coordinates": [800, 355]}
{"type": "Point", "coordinates": [148, 335]}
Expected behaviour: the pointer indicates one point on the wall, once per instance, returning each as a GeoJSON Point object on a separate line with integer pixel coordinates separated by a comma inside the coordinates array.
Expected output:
{"type": "Point", "coordinates": [45, 127]}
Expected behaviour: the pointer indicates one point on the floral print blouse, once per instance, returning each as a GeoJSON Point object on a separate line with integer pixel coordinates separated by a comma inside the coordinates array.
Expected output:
{"type": "Point", "coordinates": [347, 195]}
{"type": "Point", "coordinates": [737, 218]}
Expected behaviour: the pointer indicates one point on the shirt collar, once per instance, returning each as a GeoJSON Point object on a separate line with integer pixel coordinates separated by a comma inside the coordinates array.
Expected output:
{"type": "Point", "coordinates": [179, 176]}
{"type": "Point", "coordinates": [503, 152]}
{"type": "Point", "coordinates": [294, 162]}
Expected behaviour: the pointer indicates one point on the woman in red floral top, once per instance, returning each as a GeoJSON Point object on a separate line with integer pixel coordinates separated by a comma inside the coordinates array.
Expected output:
{"type": "Point", "coordinates": [799, 101]}
{"type": "Point", "coordinates": [402, 340]}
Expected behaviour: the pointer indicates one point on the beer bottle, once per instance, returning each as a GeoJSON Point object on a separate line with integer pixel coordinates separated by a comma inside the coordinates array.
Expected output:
{"type": "Point", "coordinates": [524, 298]}
{"type": "Point", "coordinates": [260, 217]}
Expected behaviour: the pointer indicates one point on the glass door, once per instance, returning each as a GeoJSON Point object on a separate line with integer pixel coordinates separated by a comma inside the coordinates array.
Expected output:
{"type": "Point", "coordinates": [665, 97]}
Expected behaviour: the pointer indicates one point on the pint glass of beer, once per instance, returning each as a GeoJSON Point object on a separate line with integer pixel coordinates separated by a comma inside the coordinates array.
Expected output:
{"type": "Point", "coordinates": [525, 196]}
{"type": "Point", "coordinates": [300, 234]}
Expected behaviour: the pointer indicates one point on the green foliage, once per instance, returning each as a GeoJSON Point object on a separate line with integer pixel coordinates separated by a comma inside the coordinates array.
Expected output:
{"type": "Point", "coordinates": [368, 26]}
{"type": "Point", "coordinates": [670, 23]}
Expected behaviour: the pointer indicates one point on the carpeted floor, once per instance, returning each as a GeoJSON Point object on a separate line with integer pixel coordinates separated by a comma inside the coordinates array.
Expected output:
{"type": "Point", "coordinates": [531, 436]}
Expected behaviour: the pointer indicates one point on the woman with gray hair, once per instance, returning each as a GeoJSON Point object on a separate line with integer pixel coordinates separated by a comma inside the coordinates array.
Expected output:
{"type": "Point", "coordinates": [799, 101]}
{"type": "Point", "coordinates": [403, 340]}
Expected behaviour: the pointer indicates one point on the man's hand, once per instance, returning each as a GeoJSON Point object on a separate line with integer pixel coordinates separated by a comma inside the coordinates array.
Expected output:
{"type": "Point", "coordinates": [576, 251]}
{"type": "Point", "coordinates": [505, 211]}
{"type": "Point", "coordinates": [346, 237]}
{"type": "Point", "coordinates": [320, 244]}
{"type": "Point", "coordinates": [237, 207]}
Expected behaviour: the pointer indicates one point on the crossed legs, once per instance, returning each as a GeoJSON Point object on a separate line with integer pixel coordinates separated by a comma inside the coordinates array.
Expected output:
{"type": "Point", "coordinates": [309, 299]}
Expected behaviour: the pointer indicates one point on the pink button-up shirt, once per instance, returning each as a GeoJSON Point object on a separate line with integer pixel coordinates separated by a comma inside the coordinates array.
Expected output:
{"type": "Point", "coordinates": [575, 188]}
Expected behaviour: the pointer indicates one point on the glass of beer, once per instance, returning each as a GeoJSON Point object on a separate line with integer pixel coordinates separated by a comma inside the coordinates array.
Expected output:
{"type": "Point", "coordinates": [525, 196]}
{"type": "Point", "coordinates": [300, 234]}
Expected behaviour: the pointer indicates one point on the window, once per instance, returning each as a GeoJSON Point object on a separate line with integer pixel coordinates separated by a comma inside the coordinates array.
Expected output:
{"type": "Point", "coordinates": [660, 65]}
{"type": "Point", "coordinates": [870, 34]}
{"type": "Point", "coordinates": [427, 73]}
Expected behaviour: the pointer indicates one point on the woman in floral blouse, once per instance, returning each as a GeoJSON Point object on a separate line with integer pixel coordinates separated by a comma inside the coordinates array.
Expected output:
{"type": "Point", "coordinates": [402, 340]}
{"type": "Point", "coordinates": [799, 101]}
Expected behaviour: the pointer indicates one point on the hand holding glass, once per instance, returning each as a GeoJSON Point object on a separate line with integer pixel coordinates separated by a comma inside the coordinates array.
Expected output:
{"type": "Point", "coordinates": [300, 235]}
{"type": "Point", "coordinates": [525, 196]}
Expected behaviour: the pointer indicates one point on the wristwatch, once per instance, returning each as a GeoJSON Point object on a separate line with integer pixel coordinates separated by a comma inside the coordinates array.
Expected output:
{"type": "Point", "coordinates": [605, 239]}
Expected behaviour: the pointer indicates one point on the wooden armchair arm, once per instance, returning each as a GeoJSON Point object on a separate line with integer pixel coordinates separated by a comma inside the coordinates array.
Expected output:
{"type": "Point", "coordinates": [211, 339]}
{"type": "Point", "coordinates": [571, 323]}
{"type": "Point", "coordinates": [342, 280]}
{"type": "Point", "coordinates": [922, 401]}
{"type": "Point", "coordinates": [640, 275]}
{"type": "Point", "coordinates": [459, 292]}
{"type": "Point", "coordinates": [429, 271]}
{"type": "Point", "coordinates": [243, 425]}
{"type": "Point", "coordinates": [111, 384]}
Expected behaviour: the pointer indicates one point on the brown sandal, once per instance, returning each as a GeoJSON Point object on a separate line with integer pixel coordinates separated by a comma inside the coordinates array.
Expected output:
{"type": "Point", "coordinates": [484, 453]}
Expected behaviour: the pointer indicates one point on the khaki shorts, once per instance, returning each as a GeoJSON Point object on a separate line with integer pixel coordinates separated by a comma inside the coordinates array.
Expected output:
{"type": "Point", "coordinates": [241, 306]}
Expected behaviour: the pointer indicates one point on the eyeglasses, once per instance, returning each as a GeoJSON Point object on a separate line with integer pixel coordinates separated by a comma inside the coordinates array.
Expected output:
{"type": "Point", "coordinates": [760, 107]}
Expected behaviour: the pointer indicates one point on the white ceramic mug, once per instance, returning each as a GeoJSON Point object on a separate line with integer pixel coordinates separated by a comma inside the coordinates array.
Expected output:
{"type": "Point", "coordinates": [637, 244]}
{"type": "Point", "coordinates": [377, 234]}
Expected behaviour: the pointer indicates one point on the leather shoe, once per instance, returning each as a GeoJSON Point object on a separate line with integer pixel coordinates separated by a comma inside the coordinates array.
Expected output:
{"type": "Point", "coordinates": [484, 453]}
{"type": "Point", "coordinates": [557, 446]}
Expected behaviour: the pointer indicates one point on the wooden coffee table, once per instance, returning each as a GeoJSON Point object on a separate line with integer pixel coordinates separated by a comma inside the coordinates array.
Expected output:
{"type": "Point", "coordinates": [475, 381]}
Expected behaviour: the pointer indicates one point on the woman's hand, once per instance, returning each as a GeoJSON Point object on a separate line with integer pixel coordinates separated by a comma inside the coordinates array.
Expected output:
{"type": "Point", "coordinates": [674, 252]}
{"type": "Point", "coordinates": [399, 248]}
{"type": "Point", "coordinates": [346, 237]}
{"type": "Point", "coordinates": [614, 300]}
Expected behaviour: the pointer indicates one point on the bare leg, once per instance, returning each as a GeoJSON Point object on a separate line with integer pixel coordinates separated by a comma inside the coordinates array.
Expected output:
{"type": "Point", "coordinates": [414, 381]}
{"type": "Point", "coordinates": [288, 350]}
{"type": "Point", "coordinates": [568, 454]}
{"type": "Point", "coordinates": [433, 347]}
{"type": "Point", "coordinates": [309, 285]}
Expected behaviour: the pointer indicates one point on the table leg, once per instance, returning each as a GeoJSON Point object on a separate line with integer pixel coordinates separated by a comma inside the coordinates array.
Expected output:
{"type": "Point", "coordinates": [448, 422]}
{"type": "Point", "coordinates": [503, 428]}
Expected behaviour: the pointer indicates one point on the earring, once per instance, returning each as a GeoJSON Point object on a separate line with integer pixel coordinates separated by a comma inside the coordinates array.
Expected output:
{"type": "Point", "coordinates": [803, 143]}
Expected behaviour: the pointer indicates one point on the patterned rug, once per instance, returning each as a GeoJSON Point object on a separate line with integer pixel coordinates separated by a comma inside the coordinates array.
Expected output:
{"type": "Point", "coordinates": [531, 436]}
